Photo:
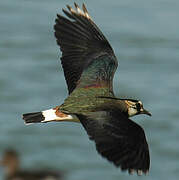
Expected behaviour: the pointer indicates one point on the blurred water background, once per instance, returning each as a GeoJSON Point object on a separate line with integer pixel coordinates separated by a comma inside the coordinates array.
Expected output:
{"type": "Point", "coordinates": [145, 37]}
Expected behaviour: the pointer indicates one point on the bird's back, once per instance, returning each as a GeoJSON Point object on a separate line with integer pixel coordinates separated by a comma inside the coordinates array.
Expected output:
{"type": "Point", "coordinates": [83, 101]}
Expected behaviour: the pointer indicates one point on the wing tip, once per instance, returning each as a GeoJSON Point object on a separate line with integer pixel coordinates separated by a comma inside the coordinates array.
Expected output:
{"type": "Point", "coordinates": [77, 11]}
{"type": "Point", "coordinates": [132, 171]}
{"type": "Point", "coordinates": [138, 171]}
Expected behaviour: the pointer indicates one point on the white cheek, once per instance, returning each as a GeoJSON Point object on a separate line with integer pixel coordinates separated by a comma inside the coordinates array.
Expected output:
{"type": "Point", "coordinates": [132, 112]}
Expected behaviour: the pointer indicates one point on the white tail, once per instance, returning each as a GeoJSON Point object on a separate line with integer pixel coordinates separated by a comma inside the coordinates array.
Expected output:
{"type": "Point", "coordinates": [49, 115]}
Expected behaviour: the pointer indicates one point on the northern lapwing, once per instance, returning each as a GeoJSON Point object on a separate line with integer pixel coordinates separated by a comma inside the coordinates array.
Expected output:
{"type": "Point", "coordinates": [11, 163]}
{"type": "Point", "coordinates": [89, 64]}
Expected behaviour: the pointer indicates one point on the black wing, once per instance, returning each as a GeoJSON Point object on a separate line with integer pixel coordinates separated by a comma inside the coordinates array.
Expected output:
{"type": "Point", "coordinates": [118, 139]}
{"type": "Point", "coordinates": [82, 43]}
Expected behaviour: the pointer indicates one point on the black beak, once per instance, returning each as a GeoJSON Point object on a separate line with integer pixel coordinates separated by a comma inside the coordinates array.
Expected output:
{"type": "Point", "coordinates": [143, 111]}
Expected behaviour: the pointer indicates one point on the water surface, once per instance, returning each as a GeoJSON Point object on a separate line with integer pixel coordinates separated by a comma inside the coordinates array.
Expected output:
{"type": "Point", "coordinates": [145, 38]}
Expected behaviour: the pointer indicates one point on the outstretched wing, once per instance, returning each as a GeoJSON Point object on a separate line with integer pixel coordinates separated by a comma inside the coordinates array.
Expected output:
{"type": "Point", "coordinates": [87, 57]}
{"type": "Point", "coordinates": [118, 139]}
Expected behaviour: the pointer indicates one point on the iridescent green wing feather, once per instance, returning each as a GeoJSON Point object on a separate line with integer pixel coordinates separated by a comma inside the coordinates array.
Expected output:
{"type": "Point", "coordinates": [87, 58]}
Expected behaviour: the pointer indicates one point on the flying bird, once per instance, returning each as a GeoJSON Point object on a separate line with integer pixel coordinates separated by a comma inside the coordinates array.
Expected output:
{"type": "Point", "coordinates": [89, 64]}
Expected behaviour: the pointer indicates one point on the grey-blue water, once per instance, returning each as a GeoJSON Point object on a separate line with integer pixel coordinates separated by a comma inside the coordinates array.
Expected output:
{"type": "Point", "coordinates": [145, 37]}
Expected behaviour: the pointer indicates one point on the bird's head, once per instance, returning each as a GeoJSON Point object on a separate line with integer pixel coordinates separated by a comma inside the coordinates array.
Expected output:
{"type": "Point", "coordinates": [135, 107]}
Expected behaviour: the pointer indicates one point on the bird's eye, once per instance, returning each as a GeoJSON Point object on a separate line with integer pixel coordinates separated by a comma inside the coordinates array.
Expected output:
{"type": "Point", "coordinates": [138, 106]}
